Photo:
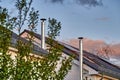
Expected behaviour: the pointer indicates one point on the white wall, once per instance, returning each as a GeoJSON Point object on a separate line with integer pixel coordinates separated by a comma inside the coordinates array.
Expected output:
{"type": "Point", "coordinates": [73, 73]}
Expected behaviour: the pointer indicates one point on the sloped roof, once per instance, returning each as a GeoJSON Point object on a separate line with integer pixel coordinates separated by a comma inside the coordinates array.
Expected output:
{"type": "Point", "coordinates": [96, 62]}
{"type": "Point", "coordinates": [89, 59]}
{"type": "Point", "coordinates": [36, 49]}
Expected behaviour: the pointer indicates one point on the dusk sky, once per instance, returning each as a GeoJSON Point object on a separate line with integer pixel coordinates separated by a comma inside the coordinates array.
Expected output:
{"type": "Point", "coordinates": [94, 22]}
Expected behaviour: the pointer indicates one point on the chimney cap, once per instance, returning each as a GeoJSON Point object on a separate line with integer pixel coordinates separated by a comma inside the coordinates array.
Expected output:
{"type": "Point", "coordinates": [80, 37]}
{"type": "Point", "coordinates": [42, 19]}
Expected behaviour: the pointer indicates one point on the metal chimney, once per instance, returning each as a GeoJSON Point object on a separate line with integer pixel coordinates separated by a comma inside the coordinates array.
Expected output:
{"type": "Point", "coordinates": [81, 57]}
{"type": "Point", "coordinates": [43, 33]}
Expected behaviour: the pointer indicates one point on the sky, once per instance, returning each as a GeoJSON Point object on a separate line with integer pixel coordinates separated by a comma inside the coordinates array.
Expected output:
{"type": "Point", "coordinates": [99, 22]}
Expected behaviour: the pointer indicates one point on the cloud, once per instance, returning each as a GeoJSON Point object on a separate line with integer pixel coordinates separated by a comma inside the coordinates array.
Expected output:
{"type": "Point", "coordinates": [55, 1]}
{"type": "Point", "coordinates": [94, 45]}
{"type": "Point", "coordinates": [116, 48]}
{"type": "Point", "coordinates": [88, 44]}
{"type": "Point", "coordinates": [80, 2]}
{"type": "Point", "coordinates": [90, 2]}
{"type": "Point", "coordinates": [103, 19]}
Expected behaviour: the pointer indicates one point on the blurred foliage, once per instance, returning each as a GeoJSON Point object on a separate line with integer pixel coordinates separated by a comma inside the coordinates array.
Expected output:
{"type": "Point", "coordinates": [23, 66]}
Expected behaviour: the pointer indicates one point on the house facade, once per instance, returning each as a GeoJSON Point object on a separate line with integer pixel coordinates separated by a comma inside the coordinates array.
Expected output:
{"type": "Point", "coordinates": [94, 68]}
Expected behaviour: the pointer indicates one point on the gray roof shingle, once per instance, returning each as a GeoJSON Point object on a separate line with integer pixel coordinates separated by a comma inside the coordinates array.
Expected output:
{"type": "Point", "coordinates": [36, 49]}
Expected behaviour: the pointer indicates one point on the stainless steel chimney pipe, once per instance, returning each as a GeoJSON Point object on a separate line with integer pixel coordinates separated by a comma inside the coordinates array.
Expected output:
{"type": "Point", "coordinates": [43, 33]}
{"type": "Point", "coordinates": [81, 57]}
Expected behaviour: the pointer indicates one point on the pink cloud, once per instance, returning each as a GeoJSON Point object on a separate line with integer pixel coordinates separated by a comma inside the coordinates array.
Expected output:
{"type": "Point", "coordinates": [103, 19]}
{"type": "Point", "coordinates": [96, 45]}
